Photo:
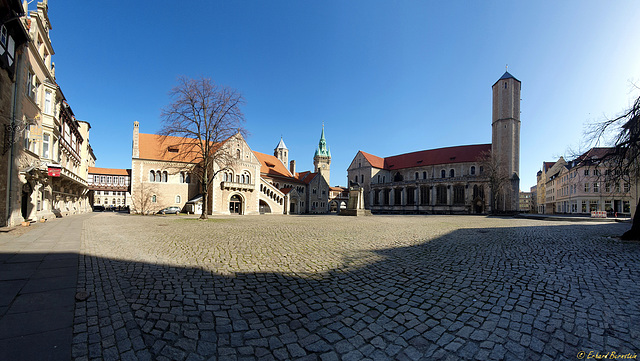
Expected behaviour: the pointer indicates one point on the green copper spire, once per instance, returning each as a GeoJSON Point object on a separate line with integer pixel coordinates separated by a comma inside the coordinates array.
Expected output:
{"type": "Point", "coordinates": [322, 149]}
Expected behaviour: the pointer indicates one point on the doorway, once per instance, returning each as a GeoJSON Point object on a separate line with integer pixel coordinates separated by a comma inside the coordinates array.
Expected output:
{"type": "Point", "coordinates": [235, 204]}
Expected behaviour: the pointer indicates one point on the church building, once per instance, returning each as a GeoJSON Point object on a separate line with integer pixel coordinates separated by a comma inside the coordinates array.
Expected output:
{"type": "Point", "coordinates": [251, 183]}
{"type": "Point", "coordinates": [450, 180]}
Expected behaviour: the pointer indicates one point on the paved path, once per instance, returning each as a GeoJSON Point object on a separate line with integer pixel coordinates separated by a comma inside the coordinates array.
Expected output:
{"type": "Point", "coordinates": [38, 278]}
{"type": "Point", "coordinates": [318, 288]}
{"type": "Point", "coordinates": [341, 288]}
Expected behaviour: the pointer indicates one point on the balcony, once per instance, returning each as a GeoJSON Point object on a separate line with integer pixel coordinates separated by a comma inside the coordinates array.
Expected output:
{"type": "Point", "coordinates": [238, 186]}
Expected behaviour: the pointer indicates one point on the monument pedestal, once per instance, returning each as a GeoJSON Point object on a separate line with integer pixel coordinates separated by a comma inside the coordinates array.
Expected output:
{"type": "Point", "coordinates": [355, 206]}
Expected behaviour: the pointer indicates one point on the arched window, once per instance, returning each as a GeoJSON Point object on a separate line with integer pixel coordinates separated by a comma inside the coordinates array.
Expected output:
{"type": "Point", "coordinates": [98, 201]}
{"type": "Point", "coordinates": [238, 153]}
{"type": "Point", "coordinates": [473, 170]}
{"type": "Point", "coordinates": [188, 180]}
{"type": "Point", "coordinates": [158, 176]}
{"type": "Point", "coordinates": [417, 176]}
{"type": "Point", "coordinates": [424, 175]}
{"type": "Point", "coordinates": [165, 176]}
{"type": "Point", "coordinates": [361, 178]}
{"type": "Point", "coordinates": [398, 177]}
{"type": "Point", "coordinates": [248, 178]}
{"type": "Point", "coordinates": [242, 179]}
{"type": "Point", "coordinates": [443, 173]}
{"type": "Point", "coordinates": [181, 178]}
{"type": "Point", "coordinates": [452, 173]}
{"type": "Point", "coordinates": [152, 176]}
{"type": "Point", "coordinates": [178, 199]}
{"type": "Point", "coordinates": [153, 198]}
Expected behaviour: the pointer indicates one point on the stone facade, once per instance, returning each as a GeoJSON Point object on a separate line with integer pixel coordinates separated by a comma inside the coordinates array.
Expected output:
{"type": "Point", "coordinates": [50, 151]}
{"type": "Point", "coordinates": [586, 184]}
{"type": "Point", "coordinates": [448, 180]}
{"type": "Point", "coordinates": [253, 183]}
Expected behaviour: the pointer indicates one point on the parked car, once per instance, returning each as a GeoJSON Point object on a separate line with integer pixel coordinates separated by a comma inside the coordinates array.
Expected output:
{"type": "Point", "coordinates": [170, 210]}
{"type": "Point", "coordinates": [98, 208]}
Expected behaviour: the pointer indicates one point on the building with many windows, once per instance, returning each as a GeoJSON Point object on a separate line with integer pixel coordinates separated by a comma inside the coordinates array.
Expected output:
{"type": "Point", "coordinates": [448, 180]}
{"type": "Point", "coordinates": [13, 40]}
{"type": "Point", "coordinates": [110, 188]}
{"type": "Point", "coordinates": [49, 148]}
{"type": "Point", "coordinates": [252, 182]}
{"type": "Point", "coordinates": [586, 184]}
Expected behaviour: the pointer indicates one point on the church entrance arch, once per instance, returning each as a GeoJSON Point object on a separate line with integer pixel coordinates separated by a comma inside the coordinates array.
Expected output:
{"type": "Point", "coordinates": [235, 204]}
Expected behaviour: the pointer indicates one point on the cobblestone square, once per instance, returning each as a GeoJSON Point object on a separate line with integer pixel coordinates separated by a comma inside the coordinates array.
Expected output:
{"type": "Point", "coordinates": [346, 288]}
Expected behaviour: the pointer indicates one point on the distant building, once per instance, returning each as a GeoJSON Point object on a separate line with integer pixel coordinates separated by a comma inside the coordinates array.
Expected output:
{"type": "Point", "coordinates": [447, 180]}
{"type": "Point", "coordinates": [586, 184]}
{"type": "Point", "coordinates": [525, 202]}
{"type": "Point", "coordinates": [110, 188]}
{"type": "Point", "coordinates": [534, 199]}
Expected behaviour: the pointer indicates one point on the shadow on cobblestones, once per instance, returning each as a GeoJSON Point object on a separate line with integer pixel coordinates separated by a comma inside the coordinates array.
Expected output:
{"type": "Point", "coordinates": [513, 293]}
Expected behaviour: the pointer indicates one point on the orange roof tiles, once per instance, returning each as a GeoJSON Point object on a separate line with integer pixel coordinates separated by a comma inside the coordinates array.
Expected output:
{"type": "Point", "coordinates": [109, 171]}
{"type": "Point", "coordinates": [270, 165]}
{"type": "Point", "coordinates": [168, 148]}
{"type": "Point", "coordinates": [459, 154]}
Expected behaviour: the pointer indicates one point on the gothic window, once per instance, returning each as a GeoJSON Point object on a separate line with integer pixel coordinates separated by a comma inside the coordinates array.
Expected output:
{"type": "Point", "coordinates": [411, 196]}
{"type": "Point", "coordinates": [425, 195]}
{"type": "Point", "coordinates": [397, 177]}
{"type": "Point", "coordinates": [458, 194]}
{"type": "Point", "coordinates": [443, 173]}
{"type": "Point", "coordinates": [397, 196]}
{"type": "Point", "coordinates": [452, 173]}
{"type": "Point", "coordinates": [441, 194]}
{"type": "Point", "coordinates": [473, 170]}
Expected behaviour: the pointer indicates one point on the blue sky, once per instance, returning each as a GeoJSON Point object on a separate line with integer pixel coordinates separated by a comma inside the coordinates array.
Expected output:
{"type": "Point", "coordinates": [385, 77]}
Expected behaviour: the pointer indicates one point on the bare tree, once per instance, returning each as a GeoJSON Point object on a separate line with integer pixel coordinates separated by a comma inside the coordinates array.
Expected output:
{"type": "Point", "coordinates": [204, 115]}
{"type": "Point", "coordinates": [625, 130]}
{"type": "Point", "coordinates": [496, 175]}
{"type": "Point", "coordinates": [142, 199]}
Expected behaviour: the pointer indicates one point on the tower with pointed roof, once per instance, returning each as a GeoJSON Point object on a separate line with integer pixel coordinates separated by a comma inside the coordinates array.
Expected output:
{"type": "Point", "coordinates": [505, 132]}
{"type": "Point", "coordinates": [281, 152]}
{"type": "Point", "coordinates": [322, 157]}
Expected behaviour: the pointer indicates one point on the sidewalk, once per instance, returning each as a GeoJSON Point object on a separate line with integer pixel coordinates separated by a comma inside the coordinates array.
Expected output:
{"type": "Point", "coordinates": [38, 277]}
{"type": "Point", "coordinates": [569, 218]}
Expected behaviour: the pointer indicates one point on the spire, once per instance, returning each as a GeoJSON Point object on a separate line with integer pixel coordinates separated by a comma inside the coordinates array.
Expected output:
{"type": "Point", "coordinates": [322, 149]}
{"type": "Point", "coordinates": [281, 144]}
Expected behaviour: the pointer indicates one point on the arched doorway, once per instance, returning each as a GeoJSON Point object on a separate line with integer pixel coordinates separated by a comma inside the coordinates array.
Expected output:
{"type": "Point", "coordinates": [264, 207]}
{"type": "Point", "coordinates": [235, 204]}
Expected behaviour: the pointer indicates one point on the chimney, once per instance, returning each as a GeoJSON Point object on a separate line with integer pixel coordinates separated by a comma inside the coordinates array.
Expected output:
{"type": "Point", "coordinates": [136, 140]}
{"type": "Point", "coordinates": [292, 167]}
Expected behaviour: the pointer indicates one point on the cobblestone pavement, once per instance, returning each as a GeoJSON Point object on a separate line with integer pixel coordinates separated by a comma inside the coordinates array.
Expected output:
{"type": "Point", "coordinates": [346, 288]}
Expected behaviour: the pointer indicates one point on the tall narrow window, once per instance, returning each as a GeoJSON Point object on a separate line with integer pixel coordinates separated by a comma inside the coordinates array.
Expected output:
{"type": "Point", "coordinates": [452, 173]}
{"type": "Point", "coordinates": [153, 198]}
{"type": "Point", "coordinates": [45, 145]}
{"type": "Point", "coordinates": [178, 199]}
{"type": "Point", "coordinates": [47, 102]}
{"type": "Point", "coordinates": [152, 176]}
{"type": "Point", "coordinates": [164, 177]}
{"type": "Point", "coordinates": [473, 170]}
{"type": "Point", "coordinates": [181, 178]}
{"type": "Point", "coordinates": [443, 173]}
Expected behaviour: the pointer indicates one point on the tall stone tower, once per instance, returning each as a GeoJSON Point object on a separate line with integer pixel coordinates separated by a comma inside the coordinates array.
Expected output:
{"type": "Point", "coordinates": [282, 153]}
{"type": "Point", "coordinates": [322, 158]}
{"type": "Point", "coordinates": [505, 135]}
{"type": "Point", "coordinates": [136, 140]}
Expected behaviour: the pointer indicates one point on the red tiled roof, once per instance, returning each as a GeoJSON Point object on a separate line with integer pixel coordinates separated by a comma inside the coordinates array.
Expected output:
{"type": "Point", "coordinates": [109, 171]}
{"type": "Point", "coordinates": [548, 165]}
{"type": "Point", "coordinates": [168, 148]}
{"type": "Point", "coordinates": [596, 154]}
{"type": "Point", "coordinates": [460, 154]}
{"type": "Point", "coordinates": [272, 166]}
{"type": "Point", "coordinates": [375, 161]}
{"type": "Point", "coordinates": [306, 177]}
{"type": "Point", "coordinates": [286, 190]}
{"type": "Point", "coordinates": [338, 189]}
